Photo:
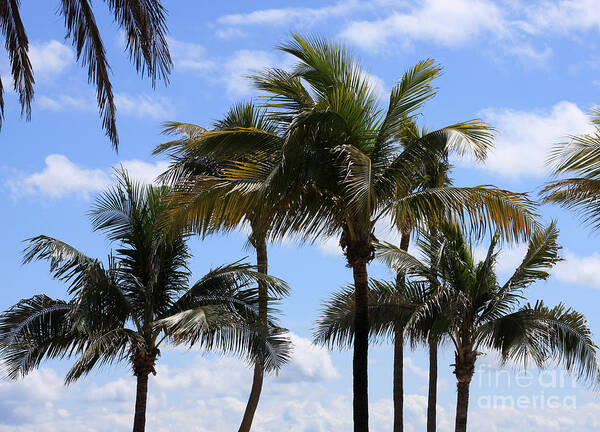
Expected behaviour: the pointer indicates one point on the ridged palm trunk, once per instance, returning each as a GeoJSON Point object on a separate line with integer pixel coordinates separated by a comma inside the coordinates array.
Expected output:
{"type": "Point", "coordinates": [143, 365]}
{"type": "Point", "coordinates": [433, 376]}
{"type": "Point", "coordinates": [399, 353]}
{"type": "Point", "coordinates": [361, 347]}
{"type": "Point", "coordinates": [141, 396]}
{"type": "Point", "coordinates": [464, 369]}
{"type": "Point", "coordinates": [260, 244]}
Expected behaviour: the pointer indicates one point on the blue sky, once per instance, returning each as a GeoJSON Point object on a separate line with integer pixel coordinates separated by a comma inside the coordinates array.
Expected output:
{"type": "Point", "coordinates": [529, 68]}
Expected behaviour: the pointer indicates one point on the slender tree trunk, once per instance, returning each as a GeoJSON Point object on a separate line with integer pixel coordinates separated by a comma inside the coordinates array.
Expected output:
{"type": "Point", "coordinates": [462, 405]}
{"type": "Point", "coordinates": [260, 243]}
{"type": "Point", "coordinates": [464, 369]}
{"type": "Point", "coordinates": [141, 396]}
{"type": "Point", "coordinates": [399, 353]}
{"type": "Point", "coordinates": [433, 376]}
{"type": "Point", "coordinates": [361, 347]}
{"type": "Point", "coordinates": [398, 380]}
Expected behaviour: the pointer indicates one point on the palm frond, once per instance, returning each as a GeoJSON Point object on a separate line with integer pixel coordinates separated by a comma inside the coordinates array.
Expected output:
{"type": "Point", "coordinates": [89, 48]}
{"type": "Point", "coordinates": [33, 330]}
{"type": "Point", "coordinates": [480, 208]}
{"type": "Point", "coordinates": [17, 45]}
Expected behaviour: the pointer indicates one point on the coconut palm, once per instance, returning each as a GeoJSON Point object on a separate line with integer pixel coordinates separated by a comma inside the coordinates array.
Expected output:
{"type": "Point", "coordinates": [126, 309]}
{"type": "Point", "coordinates": [207, 199]}
{"type": "Point", "coordinates": [144, 26]}
{"type": "Point", "coordinates": [432, 174]}
{"type": "Point", "coordinates": [580, 158]}
{"type": "Point", "coordinates": [340, 165]}
{"type": "Point", "coordinates": [342, 152]}
{"type": "Point", "coordinates": [483, 315]}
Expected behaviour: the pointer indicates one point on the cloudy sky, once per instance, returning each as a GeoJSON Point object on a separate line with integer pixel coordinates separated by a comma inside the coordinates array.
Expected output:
{"type": "Point", "coordinates": [529, 68]}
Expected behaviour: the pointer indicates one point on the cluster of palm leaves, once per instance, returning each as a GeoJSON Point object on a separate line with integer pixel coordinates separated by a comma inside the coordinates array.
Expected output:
{"type": "Point", "coordinates": [318, 157]}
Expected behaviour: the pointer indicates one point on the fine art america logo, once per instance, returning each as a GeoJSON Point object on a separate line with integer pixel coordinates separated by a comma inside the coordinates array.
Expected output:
{"type": "Point", "coordinates": [547, 389]}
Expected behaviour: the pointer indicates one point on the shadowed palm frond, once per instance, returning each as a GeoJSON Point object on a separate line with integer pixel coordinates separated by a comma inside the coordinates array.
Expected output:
{"type": "Point", "coordinates": [34, 329]}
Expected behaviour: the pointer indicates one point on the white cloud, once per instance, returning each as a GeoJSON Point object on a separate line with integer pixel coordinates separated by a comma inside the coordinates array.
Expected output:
{"type": "Point", "coordinates": [292, 15]}
{"type": "Point", "coordinates": [525, 137]}
{"type": "Point", "coordinates": [140, 105]}
{"type": "Point", "coordinates": [144, 106]}
{"type": "Point", "coordinates": [61, 177]}
{"type": "Point", "coordinates": [579, 270]}
{"type": "Point", "coordinates": [189, 56]}
{"type": "Point", "coordinates": [562, 16]}
{"type": "Point", "coordinates": [309, 363]}
{"type": "Point", "coordinates": [63, 101]}
{"type": "Point", "coordinates": [243, 63]}
{"type": "Point", "coordinates": [447, 23]}
{"type": "Point", "coordinates": [50, 59]}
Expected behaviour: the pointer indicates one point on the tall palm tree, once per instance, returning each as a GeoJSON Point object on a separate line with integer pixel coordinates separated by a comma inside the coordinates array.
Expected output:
{"type": "Point", "coordinates": [483, 315]}
{"type": "Point", "coordinates": [580, 158]}
{"type": "Point", "coordinates": [207, 199]}
{"type": "Point", "coordinates": [339, 166]}
{"type": "Point", "coordinates": [341, 152]}
{"type": "Point", "coordinates": [143, 23]}
{"type": "Point", "coordinates": [126, 310]}
{"type": "Point", "coordinates": [431, 175]}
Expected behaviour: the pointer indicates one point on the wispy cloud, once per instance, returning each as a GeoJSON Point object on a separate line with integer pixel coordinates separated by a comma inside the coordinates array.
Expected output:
{"type": "Point", "coordinates": [131, 105]}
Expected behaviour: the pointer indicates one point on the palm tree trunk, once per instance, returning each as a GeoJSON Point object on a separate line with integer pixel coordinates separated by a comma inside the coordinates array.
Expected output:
{"type": "Point", "coordinates": [398, 380]}
{"type": "Point", "coordinates": [462, 405]}
{"type": "Point", "coordinates": [260, 244]}
{"type": "Point", "coordinates": [464, 369]}
{"type": "Point", "coordinates": [141, 396]}
{"type": "Point", "coordinates": [361, 347]}
{"type": "Point", "coordinates": [399, 353]}
{"type": "Point", "coordinates": [433, 376]}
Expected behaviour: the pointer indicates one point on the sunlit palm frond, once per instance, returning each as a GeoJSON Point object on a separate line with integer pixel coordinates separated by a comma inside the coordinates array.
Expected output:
{"type": "Point", "coordinates": [581, 155]}
{"type": "Point", "coordinates": [579, 194]}
{"type": "Point", "coordinates": [469, 137]}
{"type": "Point", "coordinates": [481, 208]}
{"type": "Point", "coordinates": [542, 254]}
{"type": "Point", "coordinates": [413, 90]}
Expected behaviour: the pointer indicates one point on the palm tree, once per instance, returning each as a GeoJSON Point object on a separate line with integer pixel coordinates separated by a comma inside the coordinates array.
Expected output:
{"type": "Point", "coordinates": [338, 169]}
{"type": "Point", "coordinates": [580, 158]}
{"type": "Point", "coordinates": [391, 308]}
{"type": "Point", "coordinates": [432, 175]}
{"type": "Point", "coordinates": [483, 315]}
{"type": "Point", "coordinates": [143, 23]}
{"type": "Point", "coordinates": [206, 198]}
{"type": "Point", "coordinates": [341, 151]}
{"type": "Point", "coordinates": [126, 310]}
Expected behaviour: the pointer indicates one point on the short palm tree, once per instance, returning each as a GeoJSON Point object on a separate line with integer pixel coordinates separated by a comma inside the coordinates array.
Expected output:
{"type": "Point", "coordinates": [124, 311]}
{"type": "Point", "coordinates": [206, 198]}
{"type": "Point", "coordinates": [483, 315]}
{"type": "Point", "coordinates": [338, 169]}
{"type": "Point", "coordinates": [580, 158]}
{"type": "Point", "coordinates": [143, 23]}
